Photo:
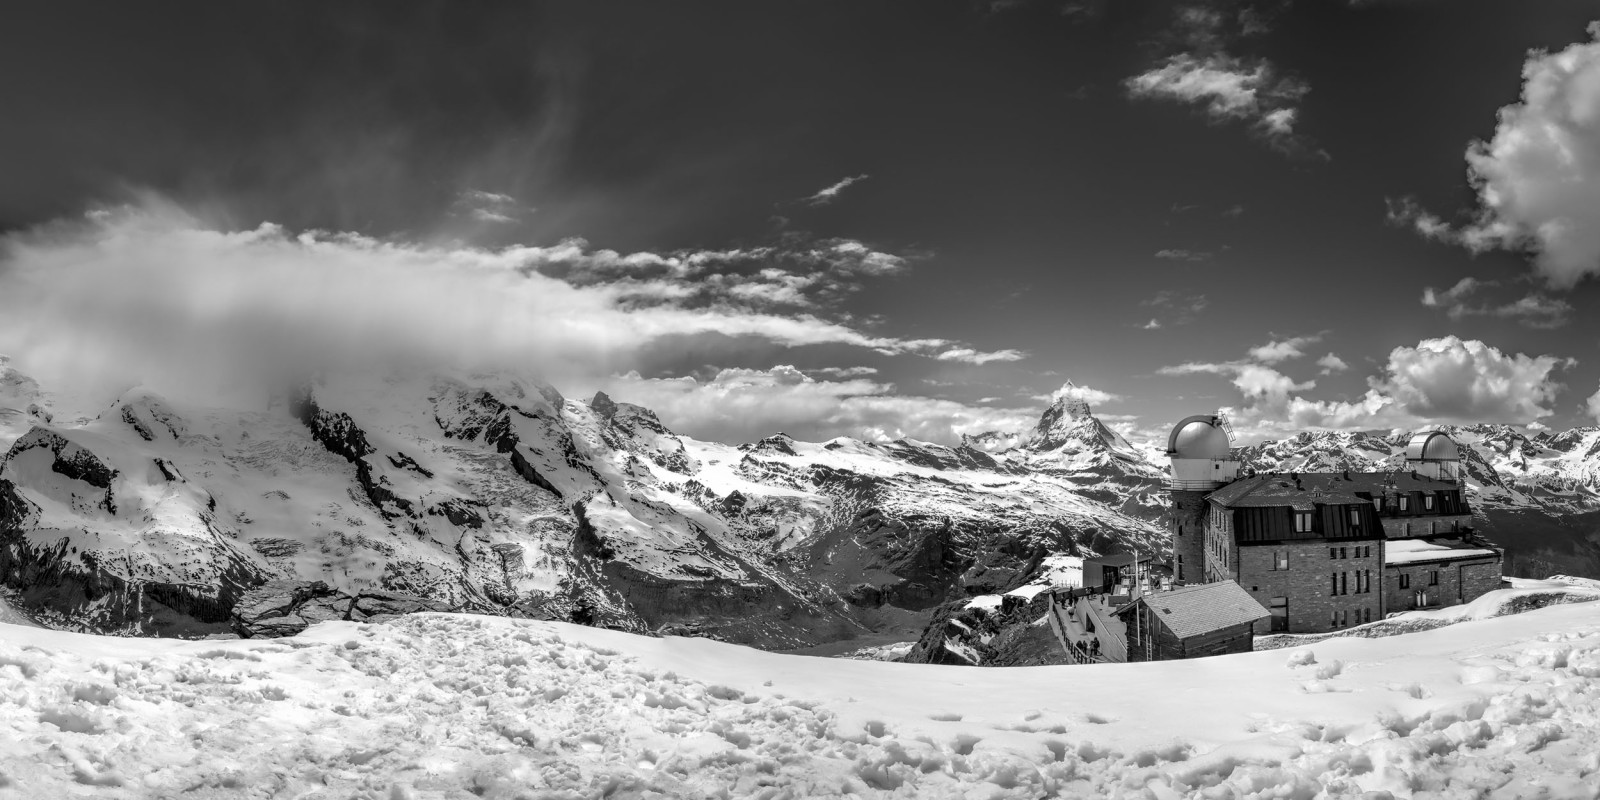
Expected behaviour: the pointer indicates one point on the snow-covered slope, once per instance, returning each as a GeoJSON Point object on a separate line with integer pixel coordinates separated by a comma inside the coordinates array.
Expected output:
{"type": "Point", "coordinates": [435, 706]}
{"type": "Point", "coordinates": [497, 494]}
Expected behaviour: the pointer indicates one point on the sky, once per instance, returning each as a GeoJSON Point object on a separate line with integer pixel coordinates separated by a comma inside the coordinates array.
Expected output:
{"type": "Point", "coordinates": [879, 220]}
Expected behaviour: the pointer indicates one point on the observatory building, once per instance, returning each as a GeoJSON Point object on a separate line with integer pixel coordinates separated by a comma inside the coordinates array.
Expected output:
{"type": "Point", "coordinates": [1324, 551]}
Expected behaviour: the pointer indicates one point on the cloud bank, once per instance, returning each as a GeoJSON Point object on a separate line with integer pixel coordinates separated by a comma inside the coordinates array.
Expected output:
{"type": "Point", "coordinates": [1443, 380]}
{"type": "Point", "coordinates": [150, 294]}
{"type": "Point", "coordinates": [748, 404]}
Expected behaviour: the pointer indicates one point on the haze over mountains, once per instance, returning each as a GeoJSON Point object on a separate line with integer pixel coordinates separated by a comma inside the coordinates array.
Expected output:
{"type": "Point", "coordinates": [495, 493]}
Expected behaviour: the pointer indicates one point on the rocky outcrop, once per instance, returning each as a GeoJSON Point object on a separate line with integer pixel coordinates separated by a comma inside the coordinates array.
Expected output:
{"type": "Point", "coordinates": [286, 607]}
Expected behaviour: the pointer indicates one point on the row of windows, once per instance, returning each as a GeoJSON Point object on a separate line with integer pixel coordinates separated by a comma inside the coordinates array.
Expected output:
{"type": "Point", "coordinates": [1341, 617]}
{"type": "Point", "coordinates": [1341, 582]}
{"type": "Point", "coordinates": [1433, 579]}
{"type": "Point", "coordinates": [1302, 520]}
{"type": "Point", "coordinates": [1364, 551]}
{"type": "Point", "coordinates": [1405, 503]}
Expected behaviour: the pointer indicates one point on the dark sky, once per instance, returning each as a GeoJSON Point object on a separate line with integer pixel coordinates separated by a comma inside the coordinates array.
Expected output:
{"type": "Point", "coordinates": [1007, 156]}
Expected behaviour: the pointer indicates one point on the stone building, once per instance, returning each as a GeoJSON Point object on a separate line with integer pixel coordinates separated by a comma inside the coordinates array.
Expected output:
{"type": "Point", "coordinates": [1210, 619]}
{"type": "Point", "coordinates": [1325, 551]}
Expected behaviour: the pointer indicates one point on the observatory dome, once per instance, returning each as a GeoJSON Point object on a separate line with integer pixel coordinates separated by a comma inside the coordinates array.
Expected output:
{"type": "Point", "coordinates": [1432, 446]}
{"type": "Point", "coordinates": [1198, 437]}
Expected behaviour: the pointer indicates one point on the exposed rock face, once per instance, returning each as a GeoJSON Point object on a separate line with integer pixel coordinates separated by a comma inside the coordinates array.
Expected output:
{"type": "Point", "coordinates": [284, 608]}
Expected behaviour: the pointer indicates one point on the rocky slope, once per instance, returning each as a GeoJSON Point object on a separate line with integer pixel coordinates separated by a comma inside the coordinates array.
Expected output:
{"type": "Point", "coordinates": [499, 495]}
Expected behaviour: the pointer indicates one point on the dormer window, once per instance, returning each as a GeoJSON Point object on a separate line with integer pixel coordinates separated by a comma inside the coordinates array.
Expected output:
{"type": "Point", "coordinates": [1405, 504]}
{"type": "Point", "coordinates": [1355, 516]}
{"type": "Point", "coordinates": [1302, 521]}
{"type": "Point", "coordinates": [1427, 502]}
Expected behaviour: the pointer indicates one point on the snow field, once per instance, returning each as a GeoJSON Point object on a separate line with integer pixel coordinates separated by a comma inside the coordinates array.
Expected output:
{"type": "Point", "coordinates": [448, 706]}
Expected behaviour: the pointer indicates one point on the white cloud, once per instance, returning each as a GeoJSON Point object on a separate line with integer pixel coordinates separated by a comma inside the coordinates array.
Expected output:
{"type": "Point", "coordinates": [1230, 89]}
{"type": "Point", "coordinates": [1469, 381]}
{"type": "Point", "coordinates": [1276, 351]}
{"type": "Point", "coordinates": [1444, 380]}
{"type": "Point", "coordinates": [827, 195]}
{"type": "Point", "coordinates": [1073, 391]}
{"type": "Point", "coordinates": [150, 294]}
{"type": "Point", "coordinates": [1153, 325]}
{"type": "Point", "coordinates": [1538, 177]}
{"type": "Point", "coordinates": [967, 355]}
{"type": "Point", "coordinates": [488, 206]}
{"type": "Point", "coordinates": [744, 405]}
{"type": "Point", "coordinates": [1534, 311]}
{"type": "Point", "coordinates": [1332, 363]}
{"type": "Point", "coordinates": [844, 372]}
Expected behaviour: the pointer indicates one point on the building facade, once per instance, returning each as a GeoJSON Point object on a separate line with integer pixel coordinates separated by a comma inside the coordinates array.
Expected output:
{"type": "Point", "coordinates": [1326, 551]}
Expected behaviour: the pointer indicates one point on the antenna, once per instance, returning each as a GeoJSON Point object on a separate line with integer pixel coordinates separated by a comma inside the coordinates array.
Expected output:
{"type": "Point", "coordinates": [1225, 425]}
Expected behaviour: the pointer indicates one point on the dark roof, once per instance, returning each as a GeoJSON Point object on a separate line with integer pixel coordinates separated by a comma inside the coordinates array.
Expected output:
{"type": "Point", "coordinates": [1197, 610]}
{"type": "Point", "coordinates": [1279, 489]}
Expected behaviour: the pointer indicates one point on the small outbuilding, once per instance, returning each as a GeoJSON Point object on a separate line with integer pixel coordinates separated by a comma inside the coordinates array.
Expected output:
{"type": "Point", "coordinates": [1190, 622]}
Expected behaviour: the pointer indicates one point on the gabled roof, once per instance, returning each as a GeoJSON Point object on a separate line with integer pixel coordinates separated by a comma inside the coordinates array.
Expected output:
{"type": "Point", "coordinates": [1198, 610]}
{"type": "Point", "coordinates": [1335, 488]}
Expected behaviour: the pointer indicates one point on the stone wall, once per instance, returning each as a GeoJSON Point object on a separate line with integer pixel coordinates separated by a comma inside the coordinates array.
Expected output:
{"type": "Point", "coordinates": [1308, 585]}
{"type": "Point", "coordinates": [1187, 526]}
{"type": "Point", "coordinates": [1458, 582]}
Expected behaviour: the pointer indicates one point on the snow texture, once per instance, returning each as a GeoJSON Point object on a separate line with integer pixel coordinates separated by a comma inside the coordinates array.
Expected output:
{"type": "Point", "coordinates": [435, 706]}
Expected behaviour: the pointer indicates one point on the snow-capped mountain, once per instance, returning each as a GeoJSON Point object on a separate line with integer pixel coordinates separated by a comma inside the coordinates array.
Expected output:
{"type": "Point", "coordinates": [497, 494]}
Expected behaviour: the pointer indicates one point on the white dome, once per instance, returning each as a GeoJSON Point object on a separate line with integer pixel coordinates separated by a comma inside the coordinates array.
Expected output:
{"type": "Point", "coordinates": [1432, 446]}
{"type": "Point", "coordinates": [1198, 437]}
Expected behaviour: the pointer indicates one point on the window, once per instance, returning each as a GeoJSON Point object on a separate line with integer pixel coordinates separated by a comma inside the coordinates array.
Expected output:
{"type": "Point", "coordinates": [1427, 502]}
{"type": "Point", "coordinates": [1279, 606]}
{"type": "Point", "coordinates": [1405, 581]}
{"type": "Point", "coordinates": [1405, 503]}
{"type": "Point", "coordinates": [1344, 583]}
{"type": "Point", "coordinates": [1333, 552]}
{"type": "Point", "coordinates": [1344, 617]}
{"type": "Point", "coordinates": [1335, 577]}
{"type": "Point", "coordinates": [1281, 559]}
{"type": "Point", "coordinates": [1366, 614]}
{"type": "Point", "coordinates": [1334, 621]}
{"type": "Point", "coordinates": [1355, 516]}
{"type": "Point", "coordinates": [1433, 578]}
{"type": "Point", "coordinates": [1302, 521]}
{"type": "Point", "coordinates": [1342, 553]}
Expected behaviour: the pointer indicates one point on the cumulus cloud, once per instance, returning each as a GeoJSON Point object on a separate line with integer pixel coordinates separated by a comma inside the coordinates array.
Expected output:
{"type": "Point", "coordinates": [746, 404]}
{"type": "Point", "coordinates": [1332, 363]}
{"type": "Point", "coordinates": [1459, 380]}
{"type": "Point", "coordinates": [151, 294]}
{"type": "Point", "coordinates": [1538, 177]}
{"type": "Point", "coordinates": [1228, 88]}
{"type": "Point", "coordinates": [1534, 311]}
{"type": "Point", "coordinates": [1282, 350]}
{"type": "Point", "coordinates": [828, 194]}
{"type": "Point", "coordinates": [1443, 380]}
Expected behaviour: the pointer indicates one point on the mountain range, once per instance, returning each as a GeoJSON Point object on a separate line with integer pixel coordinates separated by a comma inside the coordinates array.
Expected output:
{"type": "Point", "coordinates": [495, 493]}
